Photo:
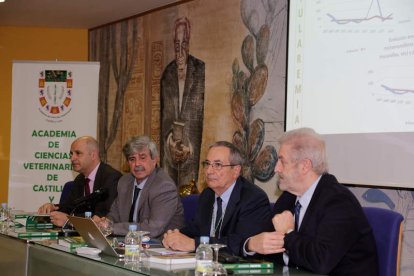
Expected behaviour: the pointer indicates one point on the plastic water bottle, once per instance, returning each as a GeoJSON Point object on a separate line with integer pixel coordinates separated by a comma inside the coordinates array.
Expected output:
{"type": "Point", "coordinates": [132, 245]}
{"type": "Point", "coordinates": [204, 257]}
{"type": "Point", "coordinates": [88, 214]}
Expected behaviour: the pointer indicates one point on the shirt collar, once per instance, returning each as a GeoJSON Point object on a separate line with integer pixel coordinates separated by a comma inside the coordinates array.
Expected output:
{"type": "Point", "coordinates": [140, 185]}
{"type": "Point", "coordinates": [92, 175]}
{"type": "Point", "coordinates": [307, 196]}
{"type": "Point", "coordinates": [226, 195]}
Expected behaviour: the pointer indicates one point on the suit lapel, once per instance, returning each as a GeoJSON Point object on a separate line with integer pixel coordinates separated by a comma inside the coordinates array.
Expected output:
{"type": "Point", "coordinates": [173, 83]}
{"type": "Point", "coordinates": [189, 79]}
{"type": "Point", "coordinates": [233, 201]}
{"type": "Point", "coordinates": [144, 192]}
{"type": "Point", "coordinates": [207, 213]}
{"type": "Point", "coordinates": [128, 197]}
{"type": "Point", "coordinates": [313, 203]}
{"type": "Point", "coordinates": [97, 184]}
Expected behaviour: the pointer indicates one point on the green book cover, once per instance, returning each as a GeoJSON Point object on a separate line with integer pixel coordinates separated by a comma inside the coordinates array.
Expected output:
{"type": "Point", "coordinates": [30, 233]}
{"type": "Point", "coordinates": [72, 242]}
{"type": "Point", "coordinates": [253, 271]}
{"type": "Point", "coordinates": [247, 265]}
{"type": "Point", "coordinates": [33, 220]}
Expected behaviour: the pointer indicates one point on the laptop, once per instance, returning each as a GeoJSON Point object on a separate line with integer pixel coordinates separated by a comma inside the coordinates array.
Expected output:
{"type": "Point", "coordinates": [90, 232]}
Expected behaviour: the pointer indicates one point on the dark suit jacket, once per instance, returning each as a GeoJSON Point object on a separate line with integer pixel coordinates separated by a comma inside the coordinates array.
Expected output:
{"type": "Point", "coordinates": [334, 237]}
{"type": "Point", "coordinates": [246, 215]}
{"type": "Point", "coordinates": [106, 179]}
{"type": "Point", "coordinates": [159, 205]}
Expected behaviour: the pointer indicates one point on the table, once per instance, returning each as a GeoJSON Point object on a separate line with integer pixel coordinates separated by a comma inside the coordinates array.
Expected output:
{"type": "Point", "coordinates": [13, 256]}
{"type": "Point", "coordinates": [27, 257]}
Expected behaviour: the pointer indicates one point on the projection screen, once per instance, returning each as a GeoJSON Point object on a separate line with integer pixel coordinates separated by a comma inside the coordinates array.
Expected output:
{"type": "Point", "coordinates": [350, 77]}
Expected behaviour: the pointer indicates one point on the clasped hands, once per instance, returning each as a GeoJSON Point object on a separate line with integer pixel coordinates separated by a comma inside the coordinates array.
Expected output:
{"type": "Point", "coordinates": [175, 240]}
{"type": "Point", "coordinates": [273, 242]}
{"type": "Point", "coordinates": [56, 217]}
{"type": "Point", "coordinates": [178, 150]}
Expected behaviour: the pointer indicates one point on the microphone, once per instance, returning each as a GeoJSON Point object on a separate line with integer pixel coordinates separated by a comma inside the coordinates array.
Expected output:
{"type": "Point", "coordinates": [98, 194]}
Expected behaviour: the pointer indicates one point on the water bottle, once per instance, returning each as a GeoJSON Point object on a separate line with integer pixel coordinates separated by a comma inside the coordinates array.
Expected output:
{"type": "Point", "coordinates": [88, 214]}
{"type": "Point", "coordinates": [132, 245]}
{"type": "Point", "coordinates": [204, 257]}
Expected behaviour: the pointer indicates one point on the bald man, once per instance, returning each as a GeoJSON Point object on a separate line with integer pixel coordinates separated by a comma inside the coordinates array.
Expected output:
{"type": "Point", "coordinates": [93, 175]}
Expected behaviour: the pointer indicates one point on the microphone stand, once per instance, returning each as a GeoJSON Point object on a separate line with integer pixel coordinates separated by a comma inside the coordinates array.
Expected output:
{"type": "Point", "coordinates": [67, 227]}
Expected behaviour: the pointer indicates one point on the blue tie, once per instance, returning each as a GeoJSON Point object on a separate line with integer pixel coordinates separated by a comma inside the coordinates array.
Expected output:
{"type": "Point", "coordinates": [131, 212]}
{"type": "Point", "coordinates": [297, 213]}
{"type": "Point", "coordinates": [219, 219]}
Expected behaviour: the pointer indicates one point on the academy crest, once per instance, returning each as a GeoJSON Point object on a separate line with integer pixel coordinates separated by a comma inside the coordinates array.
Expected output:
{"type": "Point", "coordinates": [55, 92]}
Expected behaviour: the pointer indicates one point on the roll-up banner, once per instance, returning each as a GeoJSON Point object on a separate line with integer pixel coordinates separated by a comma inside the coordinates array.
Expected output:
{"type": "Point", "coordinates": [53, 103]}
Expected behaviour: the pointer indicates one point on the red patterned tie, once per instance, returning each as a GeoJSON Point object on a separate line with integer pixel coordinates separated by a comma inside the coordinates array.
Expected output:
{"type": "Point", "coordinates": [87, 188]}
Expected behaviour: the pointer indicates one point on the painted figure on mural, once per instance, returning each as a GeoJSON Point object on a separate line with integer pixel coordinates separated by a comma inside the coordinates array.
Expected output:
{"type": "Point", "coordinates": [182, 108]}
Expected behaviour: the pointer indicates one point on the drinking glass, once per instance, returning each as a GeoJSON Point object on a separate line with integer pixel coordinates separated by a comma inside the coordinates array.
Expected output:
{"type": "Point", "coordinates": [218, 268]}
{"type": "Point", "coordinates": [141, 235]}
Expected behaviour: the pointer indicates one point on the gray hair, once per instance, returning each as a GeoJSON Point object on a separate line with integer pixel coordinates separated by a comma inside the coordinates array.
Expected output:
{"type": "Point", "coordinates": [235, 158]}
{"type": "Point", "coordinates": [307, 144]}
{"type": "Point", "coordinates": [137, 144]}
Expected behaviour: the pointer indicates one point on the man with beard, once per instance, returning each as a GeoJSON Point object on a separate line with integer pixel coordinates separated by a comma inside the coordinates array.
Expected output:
{"type": "Point", "coordinates": [319, 223]}
{"type": "Point", "coordinates": [93, 175]}
{"type": "Point", "coordinates": [147, 196]}
{"type": "Point", "coordinates": [230, 209]}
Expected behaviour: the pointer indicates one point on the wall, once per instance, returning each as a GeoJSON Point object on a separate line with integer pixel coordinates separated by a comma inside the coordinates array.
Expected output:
{"type": "Point", "coordinates": [244, 82]}
{"type": "Point", "coordinates": [218, 29]}
{"type": "Point", "coordinates": [19, 43]}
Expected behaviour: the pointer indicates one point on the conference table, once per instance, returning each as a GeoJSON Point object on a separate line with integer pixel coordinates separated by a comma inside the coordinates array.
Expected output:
{"type": "Point", "coordinates": [45, 257]}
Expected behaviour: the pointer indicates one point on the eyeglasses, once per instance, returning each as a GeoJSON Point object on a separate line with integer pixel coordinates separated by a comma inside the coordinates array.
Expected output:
{"type": "Point", "coordinates": [215, 165]}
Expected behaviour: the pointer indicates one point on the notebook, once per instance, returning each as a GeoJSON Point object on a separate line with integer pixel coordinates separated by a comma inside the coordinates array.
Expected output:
{"type": "Point", "coordinates": [90, 232]}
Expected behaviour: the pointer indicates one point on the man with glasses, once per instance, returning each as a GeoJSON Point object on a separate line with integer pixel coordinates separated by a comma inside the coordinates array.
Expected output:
{"type": "Point", "coordinates": [319, 223]}
{"type": "Point", "coordinates": [230, 209]}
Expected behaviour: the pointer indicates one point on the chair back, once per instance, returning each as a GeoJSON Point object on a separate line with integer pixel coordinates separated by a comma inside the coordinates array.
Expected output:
{"type": "Point", "coordinates": [190, 204]}
{"type": "Point", "coordinates": [387, 228]}
{"type": "Point", "coordinates": [65, 191]}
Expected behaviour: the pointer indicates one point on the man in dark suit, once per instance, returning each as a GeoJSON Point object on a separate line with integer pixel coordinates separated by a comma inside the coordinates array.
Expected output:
{"type": "Point", "coordinates": [229, 211]}
{"type": "Point", "coordinates": [182, 109]}
{"type": "Point", "coordinates": [147, 196]}
{"type": "Point", "coordinates": [320, 225]}
{"type": "Point", "coordinates": [93, 175]}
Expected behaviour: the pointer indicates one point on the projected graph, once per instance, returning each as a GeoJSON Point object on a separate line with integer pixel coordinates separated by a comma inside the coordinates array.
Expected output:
{"type": "Point", "coordinates": [397, 91]}
{"type": "Point", "coordinates": [374, 13]}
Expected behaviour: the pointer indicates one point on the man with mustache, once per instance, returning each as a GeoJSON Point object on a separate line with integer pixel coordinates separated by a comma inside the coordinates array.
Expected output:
{"type": "Point", "coordinates": [230, 209]}
{"type": "Point", "coordinates": [93, 175]}
{"type": "Point", "coordinates": [319, 224]}
{"type": "Point", "coordinates": [147, 196]}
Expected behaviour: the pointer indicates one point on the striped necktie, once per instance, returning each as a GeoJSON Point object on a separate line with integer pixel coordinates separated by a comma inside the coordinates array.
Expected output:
{"type": "Point", "coordinates": [219, 219]}
{"type": "Point", "coordinates": [297, 213]}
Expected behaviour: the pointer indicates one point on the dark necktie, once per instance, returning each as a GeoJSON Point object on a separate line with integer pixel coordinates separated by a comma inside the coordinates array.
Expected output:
{"type": "Point", "coordinates": [219, 219]}
{"type": "Point", "coordinates": [131, 212]}
{"type": "Point", "coordinates": [297, 213]}
{"type": "Point", "coordinates": [87, 188]}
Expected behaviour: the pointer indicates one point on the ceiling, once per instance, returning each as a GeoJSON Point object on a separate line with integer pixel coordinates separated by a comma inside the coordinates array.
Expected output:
{"type": "Point", "coordinates": [83, 14]}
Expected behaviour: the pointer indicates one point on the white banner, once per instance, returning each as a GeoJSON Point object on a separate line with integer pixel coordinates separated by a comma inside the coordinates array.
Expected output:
{"type": "Point", "coordinates": [53, 103]}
